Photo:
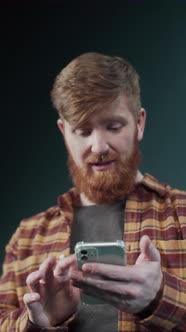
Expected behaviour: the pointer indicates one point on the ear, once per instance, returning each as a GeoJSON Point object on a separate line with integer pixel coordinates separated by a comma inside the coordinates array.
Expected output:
{"type": "Point", "coordinates": [141, 120]}
{"type": "Point", "coordinates": [60, 125]}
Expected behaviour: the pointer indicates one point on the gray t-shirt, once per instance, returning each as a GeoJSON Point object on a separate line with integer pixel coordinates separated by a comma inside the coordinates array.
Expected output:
{"type": "Point", "coordinates": [97, 223]}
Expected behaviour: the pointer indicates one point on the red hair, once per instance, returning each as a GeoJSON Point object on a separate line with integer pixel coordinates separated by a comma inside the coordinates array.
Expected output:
{"type": "Point", "coordinates": [90, 82]}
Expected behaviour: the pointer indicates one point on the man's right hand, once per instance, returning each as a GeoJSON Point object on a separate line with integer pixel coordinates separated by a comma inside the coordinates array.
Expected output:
{"type": "Point", "coordinates": [52, 298]}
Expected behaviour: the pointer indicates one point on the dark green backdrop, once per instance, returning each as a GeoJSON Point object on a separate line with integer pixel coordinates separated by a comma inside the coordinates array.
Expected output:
{"type": "Point", "coordinates": [37, 40]}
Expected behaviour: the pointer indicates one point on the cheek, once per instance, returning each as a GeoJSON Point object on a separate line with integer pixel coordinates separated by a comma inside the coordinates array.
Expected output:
{"type": "Point", "coordinates": [76, 152]}
{"type": "Point", "coordinates": [72, 145]}
{"type": "Point", "coordinates": [125, 143]}
{"type": "Point", "coordinates": [125, 146]}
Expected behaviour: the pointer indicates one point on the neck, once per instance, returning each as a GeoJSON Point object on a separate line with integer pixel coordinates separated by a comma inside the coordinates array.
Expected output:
{"type": "Point", "coordinates": [86, 202]}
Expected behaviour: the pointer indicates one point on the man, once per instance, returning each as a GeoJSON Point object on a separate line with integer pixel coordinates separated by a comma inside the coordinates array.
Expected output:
{"type": "Point", "coordinates": [101, 119]}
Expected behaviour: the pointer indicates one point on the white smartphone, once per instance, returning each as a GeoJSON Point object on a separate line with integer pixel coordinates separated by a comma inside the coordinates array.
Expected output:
{"type": "Point", "coordinates": [99, 252]}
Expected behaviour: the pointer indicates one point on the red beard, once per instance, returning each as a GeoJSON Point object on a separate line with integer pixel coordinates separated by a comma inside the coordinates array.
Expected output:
{"type": "Point", "coordinates": [106, 187]}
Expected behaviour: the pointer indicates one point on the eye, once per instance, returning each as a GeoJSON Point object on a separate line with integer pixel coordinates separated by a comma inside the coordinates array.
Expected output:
{"type": "Point", "coordinates": [115, 126]}
{"type": "Point", "coordinates": [82, 132]}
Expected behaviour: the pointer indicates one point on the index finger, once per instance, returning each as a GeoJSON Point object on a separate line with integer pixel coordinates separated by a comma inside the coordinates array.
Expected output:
{"type": "Point", "coordinates": [109, 271]}
{"type": "Point", "coordinates": [64, 264]}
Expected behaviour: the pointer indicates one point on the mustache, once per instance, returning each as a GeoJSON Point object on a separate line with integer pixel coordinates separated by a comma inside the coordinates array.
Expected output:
{"type": "Point", "coordinates": [99, 158]}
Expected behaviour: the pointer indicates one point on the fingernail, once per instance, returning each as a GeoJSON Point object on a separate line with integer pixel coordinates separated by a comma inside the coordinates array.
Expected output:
{"type": "Point", "coordinates": [42, 281]}
{"type": "Point", "coordinates": [61, 256]}
{"type": "Point", "coordinates": [86, 268]}
{"type": "Point", "coordinates": [32, 296]}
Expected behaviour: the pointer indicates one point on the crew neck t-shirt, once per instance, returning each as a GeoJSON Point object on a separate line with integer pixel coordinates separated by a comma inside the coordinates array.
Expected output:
{"type": "Point", "coordinates": [97, 223]}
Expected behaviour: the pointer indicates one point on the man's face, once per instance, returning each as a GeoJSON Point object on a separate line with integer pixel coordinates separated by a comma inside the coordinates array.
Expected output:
{"type": "Point", "coordinates": [104, 154]}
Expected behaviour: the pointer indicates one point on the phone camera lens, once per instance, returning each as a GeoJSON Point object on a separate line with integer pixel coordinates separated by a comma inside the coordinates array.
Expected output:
{"type": "Point", "coordinates": [84, 258]}
{"type": "Point", "coordinates": [84, 252]}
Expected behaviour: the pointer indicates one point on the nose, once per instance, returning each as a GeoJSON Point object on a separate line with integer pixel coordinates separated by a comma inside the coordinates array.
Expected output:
{"type": "Point", "coordinates": [99, 142]}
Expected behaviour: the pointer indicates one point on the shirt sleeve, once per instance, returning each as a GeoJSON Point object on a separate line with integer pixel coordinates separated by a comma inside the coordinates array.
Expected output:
{"type": "Point", "coordinates": [13, 316]}
{"type": "Point", "coordinates": [13, 313]}
{"type": "Point", "coordinates": [30, 327]}
{"type": "Point", "coordinates": [170, 315]}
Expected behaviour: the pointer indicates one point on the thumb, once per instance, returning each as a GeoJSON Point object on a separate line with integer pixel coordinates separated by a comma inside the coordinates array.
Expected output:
{"type": "Point", "coordinates": [35, 309]}
{"type": "Point", "coordinates": [148, 251]}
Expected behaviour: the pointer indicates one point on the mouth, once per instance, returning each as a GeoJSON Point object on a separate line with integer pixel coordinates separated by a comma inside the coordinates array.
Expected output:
{"type": "Point", "coordinates": [102, 166]}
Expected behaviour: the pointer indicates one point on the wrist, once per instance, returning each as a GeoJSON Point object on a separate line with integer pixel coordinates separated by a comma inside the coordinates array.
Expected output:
{"type": "Point", "coordinates": [31, 327]}
{"type": "Point", "coordinates": [147, 311]}
{"type": "Point", "coordinates": [61, 327]}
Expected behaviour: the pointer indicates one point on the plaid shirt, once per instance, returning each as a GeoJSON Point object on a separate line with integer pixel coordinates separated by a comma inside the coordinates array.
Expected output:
{"type": "Point", "coordinates": [153, 208]}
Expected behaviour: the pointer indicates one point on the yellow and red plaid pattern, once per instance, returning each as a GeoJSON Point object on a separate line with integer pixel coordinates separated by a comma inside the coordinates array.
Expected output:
{"type": "Point", "coordinates": [153, 208]}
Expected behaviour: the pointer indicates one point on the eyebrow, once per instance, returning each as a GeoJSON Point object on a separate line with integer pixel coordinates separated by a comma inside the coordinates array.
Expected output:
{"type": "Point", "coordinates": [115, 118]}
{"type": "Point", "coordinates": [104, 120]}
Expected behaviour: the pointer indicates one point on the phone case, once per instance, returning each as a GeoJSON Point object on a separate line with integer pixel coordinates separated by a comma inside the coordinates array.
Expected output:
{"type": "Point", "coordinates": [100, 252]}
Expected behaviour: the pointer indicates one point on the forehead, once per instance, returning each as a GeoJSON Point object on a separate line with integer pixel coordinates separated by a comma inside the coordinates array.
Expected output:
{"type": "Point", "coordinates": [117, 110]}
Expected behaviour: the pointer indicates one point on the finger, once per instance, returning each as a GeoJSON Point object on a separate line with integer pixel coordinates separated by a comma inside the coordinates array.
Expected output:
{"type": "Point", "coordinates": [33, 280]}
{"type": "Point", "coordinates": [84, 280]}
{"type": "Point", "coordinates": [108, 290]}
{"type": "Point", "coordinates": [148, 250]}
{"type": "Point", "coordinates": [64, 266]}
{"type": "Point", "coordinates": [35, 309]}
{"type": "Point", "coordinates": [29, 298]}
{"type": "Point", "coordinates": [47, 269]}
{"type": "Point", "coordinates": [108, 271]}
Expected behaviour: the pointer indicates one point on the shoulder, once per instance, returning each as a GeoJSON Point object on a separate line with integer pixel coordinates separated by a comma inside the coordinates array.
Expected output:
{"type": "Point", "coordinates": [64, 207]}
{"type": "Point", "coordinates": [164, 190]}
{"type": "Point", "coordinates": [48, 221]}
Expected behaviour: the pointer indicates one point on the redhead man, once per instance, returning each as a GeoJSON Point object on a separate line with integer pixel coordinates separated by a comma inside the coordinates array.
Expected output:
{"type": "Point", "coordinates": [102, 121]}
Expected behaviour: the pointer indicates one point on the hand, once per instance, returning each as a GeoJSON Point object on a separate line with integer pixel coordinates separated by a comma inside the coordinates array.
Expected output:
{"type": "Point", "coordinates": [52, 298]}
{"type": "Point", "coordinates": [129, 288]}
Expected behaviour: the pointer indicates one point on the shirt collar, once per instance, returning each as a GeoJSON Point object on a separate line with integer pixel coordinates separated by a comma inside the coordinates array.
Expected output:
{"type": "Point", "coordinates": [152, 183]}
{"type": "Point", "coordinates": [71, 198]}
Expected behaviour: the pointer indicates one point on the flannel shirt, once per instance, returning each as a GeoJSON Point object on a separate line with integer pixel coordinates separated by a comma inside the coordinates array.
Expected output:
{"type": "Point", "coordinates": [153, 208]}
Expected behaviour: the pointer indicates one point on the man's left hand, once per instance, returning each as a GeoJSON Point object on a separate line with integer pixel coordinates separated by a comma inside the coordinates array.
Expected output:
{"type": "Point", "coordinates": [129, 288]}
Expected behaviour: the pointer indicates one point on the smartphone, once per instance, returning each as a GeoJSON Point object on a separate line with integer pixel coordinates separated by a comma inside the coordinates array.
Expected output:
{"type": "Point", "coordinates": [99, 252]}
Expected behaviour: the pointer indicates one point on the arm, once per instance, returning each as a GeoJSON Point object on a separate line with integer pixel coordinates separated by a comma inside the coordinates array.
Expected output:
{"type": "Point", "coordinates": [14, 316]}
{"type": "Point", "coordinates": [170, 314]}
{"type": "Point", "coordinates": [171, 310]}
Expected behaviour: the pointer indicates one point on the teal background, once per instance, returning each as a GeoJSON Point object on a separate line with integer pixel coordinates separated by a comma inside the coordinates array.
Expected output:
{"type": "Point", "coordinates": [37, 40]}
